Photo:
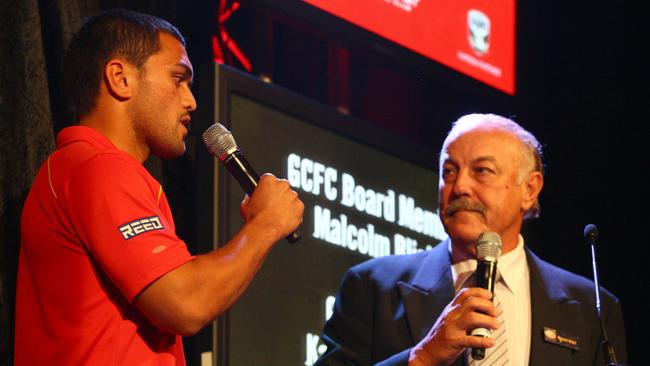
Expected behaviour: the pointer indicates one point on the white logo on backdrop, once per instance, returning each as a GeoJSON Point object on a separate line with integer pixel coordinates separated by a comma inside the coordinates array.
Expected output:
{"type": "Point", "coordinates": [406, 5]}
{"type": "Point", "coordinates": [478, 31]}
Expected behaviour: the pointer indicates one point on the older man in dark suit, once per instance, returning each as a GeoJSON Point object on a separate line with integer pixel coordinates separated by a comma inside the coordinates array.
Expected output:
{"type": "Point", "coordinates": [419, 309]}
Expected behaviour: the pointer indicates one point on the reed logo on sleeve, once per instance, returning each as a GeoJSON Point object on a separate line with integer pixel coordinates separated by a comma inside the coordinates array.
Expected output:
{"type": "Point", "coordinates": [139, 226]}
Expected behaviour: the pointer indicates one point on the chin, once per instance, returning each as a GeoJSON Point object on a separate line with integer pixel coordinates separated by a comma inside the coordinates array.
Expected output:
{"type": "Point", "coordinates": [170, 153]}
{"type": "Point", "coordinates": [464, 232]}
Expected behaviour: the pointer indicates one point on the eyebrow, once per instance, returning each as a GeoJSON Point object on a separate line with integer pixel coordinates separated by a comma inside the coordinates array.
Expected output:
{"type": "Point", "coordinates": [480, 159]}
{"type": "Point", "coordinates": [189, 74]}
{"type": "Point", "coordinates": [448, 160]}
{"type": "Point", "coordinates": [488, 158]}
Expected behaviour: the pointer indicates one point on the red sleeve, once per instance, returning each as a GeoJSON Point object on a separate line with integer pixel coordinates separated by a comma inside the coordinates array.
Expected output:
{"type": "Point", "coordinates": [121, 216]}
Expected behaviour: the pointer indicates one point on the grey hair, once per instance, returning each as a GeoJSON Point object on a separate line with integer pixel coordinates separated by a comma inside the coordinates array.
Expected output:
{"type": "Point", "coordinates": [532, 158]}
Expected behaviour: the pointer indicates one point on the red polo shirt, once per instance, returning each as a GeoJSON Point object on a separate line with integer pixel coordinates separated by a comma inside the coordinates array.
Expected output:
{"type": "Point", "coordinates": [96, 229]}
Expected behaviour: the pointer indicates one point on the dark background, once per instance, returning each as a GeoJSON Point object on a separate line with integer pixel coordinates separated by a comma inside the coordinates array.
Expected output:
{"type": "Point", "coordinates": [583, 88]}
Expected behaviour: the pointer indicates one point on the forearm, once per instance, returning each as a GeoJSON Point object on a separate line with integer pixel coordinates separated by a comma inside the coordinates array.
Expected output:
{"type": "Point", "coordinates": [186, 299]}
{"type": "Point", "coordinates": [221, 276]}
{"type": "Point", "coordinates": [191, 296]}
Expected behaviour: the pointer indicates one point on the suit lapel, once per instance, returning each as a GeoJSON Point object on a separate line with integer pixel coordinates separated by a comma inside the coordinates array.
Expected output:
{"type": "Point", "coordinates": [428, 293]}
{"type": "Point", "coordinates": [431, 289]}
{"type": "Point", "coordinates": [551, 307]}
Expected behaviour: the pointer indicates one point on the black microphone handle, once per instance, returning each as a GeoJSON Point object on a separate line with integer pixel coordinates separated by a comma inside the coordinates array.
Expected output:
{"type": "Point", "coordinates": [486, 273]}
{"type": "Point", "coordinates": [244, 173]}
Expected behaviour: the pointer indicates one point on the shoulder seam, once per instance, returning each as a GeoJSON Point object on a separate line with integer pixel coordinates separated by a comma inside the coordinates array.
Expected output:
{"type": "Point", "coordinates": [94, 156]}
{"type": "Point", "coordinates": [49, 177]}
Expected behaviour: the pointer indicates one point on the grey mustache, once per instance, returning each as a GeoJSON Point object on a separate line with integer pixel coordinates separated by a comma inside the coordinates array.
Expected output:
{"type": "Point", "coordinates": [464, 204]}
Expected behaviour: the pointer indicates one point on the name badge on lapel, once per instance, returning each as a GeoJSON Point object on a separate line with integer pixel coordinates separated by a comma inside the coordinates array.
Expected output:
{"type": "Point", "coordinates": [561, 339]}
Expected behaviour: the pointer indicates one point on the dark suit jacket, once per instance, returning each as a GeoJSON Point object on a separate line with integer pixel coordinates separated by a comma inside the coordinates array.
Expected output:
{"type": "Point", "coordinates": [386, 305]}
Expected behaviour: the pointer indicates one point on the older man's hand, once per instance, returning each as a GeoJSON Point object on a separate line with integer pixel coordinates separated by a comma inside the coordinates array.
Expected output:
{"type": "Point", "coordinates": [449, 336]}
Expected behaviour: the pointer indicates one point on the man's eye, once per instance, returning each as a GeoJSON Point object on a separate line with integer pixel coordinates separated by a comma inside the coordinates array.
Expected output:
{"type": "Point", "coordinates": [447, 172]}
{"type": "Point", "coordinates": [483, 170]}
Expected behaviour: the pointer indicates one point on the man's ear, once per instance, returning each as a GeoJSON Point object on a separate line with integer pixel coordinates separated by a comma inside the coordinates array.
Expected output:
{"type": "Point", "coordinates": [120, 78]}
{"type": "Point", "coordinates": [531, 187]}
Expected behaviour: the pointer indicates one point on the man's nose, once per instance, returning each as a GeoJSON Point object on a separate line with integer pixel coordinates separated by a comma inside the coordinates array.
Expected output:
{"type": "Point", "coordinates": [462, 184]}
{"type": "Point", "coordinates": [188, 100]}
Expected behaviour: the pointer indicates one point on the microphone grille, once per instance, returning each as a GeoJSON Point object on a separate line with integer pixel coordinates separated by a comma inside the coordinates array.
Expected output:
{"type": "Point", "coordinates": [489, 246]}
{"type": "Point", "coordinates": [591, 233]}
{"type": "Point", "coordinates": [219, 141]}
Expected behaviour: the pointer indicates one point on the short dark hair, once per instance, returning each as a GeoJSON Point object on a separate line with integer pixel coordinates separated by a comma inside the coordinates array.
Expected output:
{"type": "Point", "coordinates": [112, 33]}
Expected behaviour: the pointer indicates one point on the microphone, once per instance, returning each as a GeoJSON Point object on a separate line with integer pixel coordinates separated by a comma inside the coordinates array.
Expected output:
{"type": "Point", "coordinates": [591, 235]}
{"type": "Point", "coordinates": [222, 145]}
{"type": "Point", "coordinates": [488, 250]}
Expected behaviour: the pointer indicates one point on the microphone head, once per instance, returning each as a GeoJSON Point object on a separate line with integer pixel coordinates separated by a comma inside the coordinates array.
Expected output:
{"type": "Point", "coordinates": [591, 233]}
{"type": "Point", "coordinates": [219, 141]}
{"type": "Point", "coordinates": [488, 246]}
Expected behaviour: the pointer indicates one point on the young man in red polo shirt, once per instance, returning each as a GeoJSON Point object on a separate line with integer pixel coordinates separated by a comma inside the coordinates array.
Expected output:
{"type": "Point", "coordinates": [103, 279]}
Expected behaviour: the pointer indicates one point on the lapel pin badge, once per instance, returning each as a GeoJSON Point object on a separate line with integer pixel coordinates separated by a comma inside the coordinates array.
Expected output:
{"type": "Point", "coordinates": [561, 339]}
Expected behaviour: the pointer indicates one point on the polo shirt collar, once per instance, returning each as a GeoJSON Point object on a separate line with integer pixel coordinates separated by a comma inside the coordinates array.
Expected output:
{"type": "Point", "coordinates": [72, 134]}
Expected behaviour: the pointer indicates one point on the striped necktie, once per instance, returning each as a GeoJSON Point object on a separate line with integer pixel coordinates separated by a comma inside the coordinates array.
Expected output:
{"type": "Point", "coordinates": [497, 355]}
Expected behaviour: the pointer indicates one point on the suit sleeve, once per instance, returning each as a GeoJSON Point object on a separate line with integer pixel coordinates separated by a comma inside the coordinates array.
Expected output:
{"type": "Point", "coordinates": [348, 334]}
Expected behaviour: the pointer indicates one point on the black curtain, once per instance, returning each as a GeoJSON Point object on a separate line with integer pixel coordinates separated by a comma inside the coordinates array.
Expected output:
{"type": "Point", "coordinates": [29, 104]}
{"type": "Point", "coordinates": [33, 37]}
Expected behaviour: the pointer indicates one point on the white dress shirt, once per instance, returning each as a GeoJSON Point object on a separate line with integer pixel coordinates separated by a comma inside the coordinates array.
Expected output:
{"type": "Point", "coordinates": [513, 289]}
